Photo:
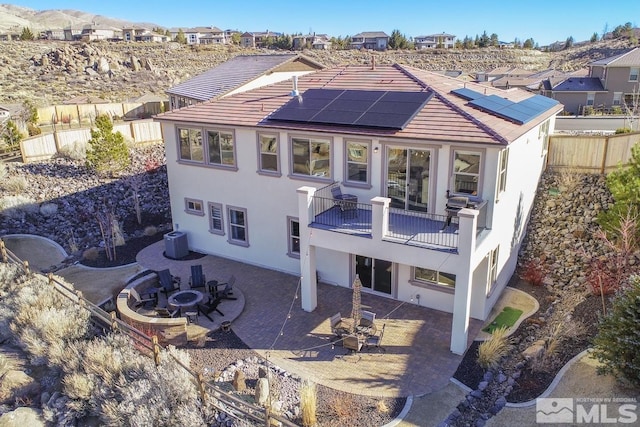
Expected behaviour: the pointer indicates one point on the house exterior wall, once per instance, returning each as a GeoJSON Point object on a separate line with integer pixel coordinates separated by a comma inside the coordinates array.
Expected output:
{"type": "Point", "coordinates": [618, 81]}
{"type": "Point", "coordinates": [574, 101]}
{"type": "Point", "coordinates": [267, 80]}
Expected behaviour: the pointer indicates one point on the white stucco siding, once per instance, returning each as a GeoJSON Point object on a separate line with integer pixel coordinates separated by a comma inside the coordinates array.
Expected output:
{"type": "Point", "coordinates": [267, 80]}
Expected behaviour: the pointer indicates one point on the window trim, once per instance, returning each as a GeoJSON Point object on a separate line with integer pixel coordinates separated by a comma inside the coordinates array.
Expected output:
{"type": "Point", "coordinates": [632, 74]}
{"type": "Point", "coordinates": [261, 171]}
{"type": "Point", "coordinates": [190, 160]}
{"type": "Point", "coordinates": [421, 283]}
{"type": "Point", "coordinates": [204, 136]}
{"type": "Point", "coordinates": [221, 165]}
{"type": "Point", "coordinates": [591, 99]}
{"type": "Point", "coordinates": [503, 168]}
{"type": "Point", "coordinates": [492, 270]}
{"type": "Point", "coordinates": [290, 252]}
{"type": "Point", "coordinates": [617, 98]}
{"type": "Point", "coordinates": [212, 229]}
{"type": "Point", "coordinates": [543, 133]}
{"type": "Point", "coordinates": [231, 226]}
{"type": "Point", "coordinates": [194, 210]}
{"type": "Point", "coordinates": [347, 182]}
{"type": "Point", "coordinates": [315, 178]}
{"type": "Point", "coordinates": [452, 174]}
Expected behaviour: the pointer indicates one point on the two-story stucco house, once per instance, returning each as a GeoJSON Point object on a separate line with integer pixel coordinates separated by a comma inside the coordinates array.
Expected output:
{"type": "Point", "coordinates": [374, 40]}
{"type": "Point", "coordinates": [438, 177]}
{"type": "Point", "coordinates": [241, 73]}
{"type": "Point", "coordinates": [611, 82]}
{"type": "Point", "coordinates": [435, 41]}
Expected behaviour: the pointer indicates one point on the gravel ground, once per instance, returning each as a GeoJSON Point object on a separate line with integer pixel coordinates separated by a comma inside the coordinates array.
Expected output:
{"type": "Point", "coordinates": [223, 352]}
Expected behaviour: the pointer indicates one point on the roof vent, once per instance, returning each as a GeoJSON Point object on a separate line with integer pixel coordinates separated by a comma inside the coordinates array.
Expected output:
{"type": "Point", "coordinates": [295, 92]}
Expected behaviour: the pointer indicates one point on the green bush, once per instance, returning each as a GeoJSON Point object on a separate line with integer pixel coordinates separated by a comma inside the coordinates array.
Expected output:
{"type": "Point", "coordinates": [622, 130]}
{"type": "Point", "coordinates": [107, 153]}
{"type": "Point", "coordinates": [617, 345]}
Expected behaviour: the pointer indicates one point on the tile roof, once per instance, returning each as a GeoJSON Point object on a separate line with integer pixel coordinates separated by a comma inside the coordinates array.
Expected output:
{"type": "Point", "coordinates": [230, 75]}
{"type": "Point", "coordinates": [367, 34]}
{"type": "Point", "coordinates": [580, 84]}
{"type": "Point", "coordinates": [627, 59]}
{"type": "Point", "coordinates": [446, 117]}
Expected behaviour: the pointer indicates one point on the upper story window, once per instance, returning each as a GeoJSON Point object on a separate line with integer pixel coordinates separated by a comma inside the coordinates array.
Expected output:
{"type": "Point", "coordinates": [466, 171]}
{"type": "Point", "coordinates": [543, 133]}
{"type": "Point", "coordinates": [633, 74]}
{"type": "Point", "coordinates": [357, 162]}
{"type": "Point", "coordinates": [311, 157]}
{"type": "Point", "coordinates": [268, 159]}
{"type": "Point", "coordinates": [503, 161]}
{"type": "Point", "coordinates": [191, 144]}
{"type": "Point", "coordinates": [219, 149]}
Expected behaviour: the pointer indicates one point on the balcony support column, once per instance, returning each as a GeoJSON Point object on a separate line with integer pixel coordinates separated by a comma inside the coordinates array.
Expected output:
{"type": "Point", "coordinates": [379, 217]}
{"type": "Point", "coordinates": [309, 284]}
{"type": "Point", "coordinates": [464, 280]}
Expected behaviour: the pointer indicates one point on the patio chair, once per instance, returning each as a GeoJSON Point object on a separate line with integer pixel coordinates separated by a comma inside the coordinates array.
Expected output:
{"type": "Point", "coordinates": [197, 278]}
{"type": "Point", "coordinates": [348, 203]}
{"type": "Point", "coordinates": [165, 312]}
{"type": "Point", "coordinates": [375, 341]}
{"type": "Point", "coordinates": [367, 318]}
{"type": "Point", "coordinates": [352, 342]}
{"type": "Point", "coordinates": [168, 283]}
{"type": "Point", "coordinates": [209, 307]}
{"type": "Point", "coordinates": [228, 288]}
{"type": "Point", "coordinates": [336, 325]}
{"type": "Point", "coordinates": [139, 302]}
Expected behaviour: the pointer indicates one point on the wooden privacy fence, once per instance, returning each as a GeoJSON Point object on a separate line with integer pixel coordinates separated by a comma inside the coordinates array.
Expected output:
{"type": "Point", "coordinates": [45, 146]}
{"type": "Point", "coordinates": [149, 346]}
{"type": "Point", "coordinates": [593, 154]}
{"type": "Point", "coordinates": [85, 114]}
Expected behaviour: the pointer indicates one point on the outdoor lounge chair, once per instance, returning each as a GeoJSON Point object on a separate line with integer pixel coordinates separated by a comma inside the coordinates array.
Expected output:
{"type": "Point", "coordinates": [139, 302]}
{"type": "Point", "coordinates": [352, 342]}
{"type": "Point", "coordinates": [367, 318]}
{"type": "Point", "coordinates": [336, 325]}
{"type": "Point", "coordinates": [168, 283]}
{"type": "Point", "coordinates": [228, 288]}
{"type": "Point", "coordinates": [374, 341]}
{"type": "Point", "coordinates": [209, 307]}
{"type": "Point", "coordinates": [197, 278]}
{"type": "Point", "coordinates": [348, 203]}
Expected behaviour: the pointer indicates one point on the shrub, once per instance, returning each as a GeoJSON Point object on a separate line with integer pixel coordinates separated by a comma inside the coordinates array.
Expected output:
{"type": "Point", "coordinates": [74, 151]}
{"type": "Point", "coordinates": [616, 110]}
{"type": "Point", "coordinates": [48, 209]}
{"type": "Point", "coordinates": [33, 130]}
{"type": "Point", "coordinates": [623, 130]}
{"type": "Point", "coordinates": [91, 254]}
{"type": "Point", "coordinates": [108, 153]}
{"type": "Point", "coordinates": [15, 184]}
{"type": "Point", "coordinates": [533, 272]}
{"type": "Point", "coordinates": [308, 403]}
{"type": "Point", "coordinates": [18, 207]}
{"type": "Point", "coordinates": [491, 351]}
{"type": "Point", "coordinates": [150, 230]}
{"type": "Point", "coordinates": [617, 345]}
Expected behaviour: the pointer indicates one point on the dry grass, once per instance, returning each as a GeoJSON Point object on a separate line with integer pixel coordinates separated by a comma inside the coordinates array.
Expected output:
{"type": "Point", "coordinates": [491, 351]}
{"type": "Point", "coordinates": [15, 184]}
{"type": "Point", "coordinates": [150, 230]}
{"type": "Point", "coordinates": [382, 407]}
{"type": "Point", "coordinates": [48, 209]}
{"type": "Point", "coordinates": [91, 254]}
{"type": "Point", "coordinates": [308, 403]}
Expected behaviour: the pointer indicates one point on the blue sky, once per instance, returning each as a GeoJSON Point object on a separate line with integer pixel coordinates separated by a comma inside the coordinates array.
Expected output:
{"type": "Point", "coordinates": [545, 21]}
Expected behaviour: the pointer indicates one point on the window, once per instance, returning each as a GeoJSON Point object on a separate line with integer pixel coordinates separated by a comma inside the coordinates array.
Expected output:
{"type": "Point", "coordinates": [591, 96]}
{"type": "Point", "coordinates": [466, 171]}
{"type": "Point", "coordinates": [221, 148]}
{"type": "Point", "coordinates": [543, 133]}
{"type": "Point", "coordinates": [503, 162]}
{"type": "Point", "coordinates": [433, 277]}
{"type": "Point", "coordinates": [493, 270]}
{"type": "Point", "coordinates": [617, 98]}
{"type": "Point", "coordinates": [357, 159]}
{"type": "Point", "coordinates": [311, 157]}
{"type": "Point", "coordinates": [293, 231]}
{"type": "Point", "coordinates": [190, 144]}
{"type": "Point", "coordinates": [268, 146]}
{"type": "Point", "coordinates": [633, 74]}
{"type": "Point", "coordinates": [215, 218]}
{"type": "Point", "coordinates": [238, 226]}
{"type": "Point", "coordinates": [193, 206]}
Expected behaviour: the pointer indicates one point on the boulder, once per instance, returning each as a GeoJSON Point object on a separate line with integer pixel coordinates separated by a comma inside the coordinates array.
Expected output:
{"type": "Point", "coordinates": [239, 381]}
{"type": "Point", "coordinates": [21, 417]}
{"type": "Point", "coordinates": [534, 350]}
{"type": "Point", "coordinates": [262, 391]}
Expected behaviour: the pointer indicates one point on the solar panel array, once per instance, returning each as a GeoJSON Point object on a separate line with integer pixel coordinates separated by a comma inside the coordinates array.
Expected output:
{"type": "Point", "coordinates": [363, 108]}
{"type": "Point", "coordinates": [518, 112]}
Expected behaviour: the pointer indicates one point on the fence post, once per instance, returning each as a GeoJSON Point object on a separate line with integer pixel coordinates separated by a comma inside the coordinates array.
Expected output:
{"type": "Point", "coordinates": [201, 388]}
{"type": "Point", "coordinates": [604, 155]}
{"type": "Point", "coordinates": [26, 266]}
{"type": "Point", "coordinates": [50, 277]}
{"type": "Point", "coordinates": [156, 349]}
{"type": "Point", "coordinates": [114, 324]}
{"type": "Point", "coordinates": [3, 252]}
{"type": "Point", "coordinates": [80, 298]}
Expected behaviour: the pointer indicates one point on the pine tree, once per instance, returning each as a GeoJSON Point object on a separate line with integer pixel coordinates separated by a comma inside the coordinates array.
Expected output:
{"type": "Point", "coordinates": [26, 34]}
{"type": "Point", "coordinates": [107, 153]}
{"type": "Point", "coordinates": [617, 345]}
{"type": "Point", "coordinates": [11, 135]}
{"type": "Point", "coordinates": [180, 37]}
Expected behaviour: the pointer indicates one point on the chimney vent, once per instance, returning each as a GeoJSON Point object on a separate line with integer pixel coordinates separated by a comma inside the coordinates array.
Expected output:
{"type": "Point", "coordinates": [295, 92]}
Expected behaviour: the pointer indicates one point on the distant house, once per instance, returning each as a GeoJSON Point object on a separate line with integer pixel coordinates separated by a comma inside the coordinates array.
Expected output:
{"type": "Point", "coordinates": [54, 34]}
{"type": "Point", "coordinates": [314, 41]}
{"type": "Point", "coordinates": [201, 35]}
{"type": "Point", "coordinates": [72, 34]}
{"type": "Point", "coordinates": [93, 32]}
{"type": "Point", "coordinates": [257, 39]}
{"type": "Point", "coordinates": [239, 74]}
{"type": "Point", "coordinates": [142, 34]}
{"type": "Point", "coordinates": [435, 41]}
{"type": "Point", "coordinates": [374, 40]}
{"type": "Point", "coordinates": [610, 82]}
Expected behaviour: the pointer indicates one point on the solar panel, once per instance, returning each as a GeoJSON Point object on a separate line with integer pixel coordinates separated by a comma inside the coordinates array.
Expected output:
{"type": "Point", "coordinates": [518, 112]}
{"type": "Point", "coordinates": [467, 94]}
{"type": "Point", "coordinates": [366, 108]}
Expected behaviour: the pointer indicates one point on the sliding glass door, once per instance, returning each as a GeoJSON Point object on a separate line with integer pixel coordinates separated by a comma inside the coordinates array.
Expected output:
{"type": "Point", "coordinates": [408, 172]}
{"type": "Point", "coordinates": [375, 274]}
